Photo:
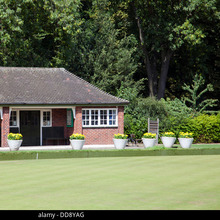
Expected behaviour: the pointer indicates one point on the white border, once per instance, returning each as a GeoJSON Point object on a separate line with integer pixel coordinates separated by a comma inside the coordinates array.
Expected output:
{"type": "Point", "coordinates": [1, 113]}
{"type": "Point", "coordinates": [42, 118]}
{"type": "Point", "coordinates": [100, 126]}
{"type": "Point", "coordinates": [17, 119]}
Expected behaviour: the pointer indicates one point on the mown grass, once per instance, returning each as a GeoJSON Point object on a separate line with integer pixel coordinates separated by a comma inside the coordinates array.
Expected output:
{"type": "Point", "coordinates": [213, 149]}
{"type": "Point", "coordinates": [174, 182]}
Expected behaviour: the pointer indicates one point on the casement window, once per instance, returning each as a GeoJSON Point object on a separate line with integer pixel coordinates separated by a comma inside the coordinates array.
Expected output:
{"type": "Point", "coordinates": [69, 117]}
{"type": "Point", "coordinates": [47, 119]}
{"type": "Point", "coordinates": [94, 117]}
{"type": "Point", "coordinates": [99, 117]}
{"type": "Point", "coordinates": [13, 119]}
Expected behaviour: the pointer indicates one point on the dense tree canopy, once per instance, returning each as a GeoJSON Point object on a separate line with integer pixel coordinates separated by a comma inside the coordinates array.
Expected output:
{"type": "Point", "coordinates": [148, 48]}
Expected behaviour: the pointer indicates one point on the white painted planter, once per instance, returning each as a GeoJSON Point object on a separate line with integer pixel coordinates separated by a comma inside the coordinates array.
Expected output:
{"type": "Point", "coordinates": [168, 141]}
{"type": "Point", "coordinates": [185, 142]}
{"type": "Point", "coordinates": [14, 145]}
{"type": "Point", "coordinates": [120, 143]}
{"type": "Point", "coordinates": [77, 144]}
{"type": "Point", "coordinates": [148, 142]}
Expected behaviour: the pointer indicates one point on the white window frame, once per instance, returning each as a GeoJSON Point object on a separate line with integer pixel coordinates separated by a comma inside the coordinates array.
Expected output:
{"type": "Point", "coordinates": [99, 118]}
{"type": "Point", "coordinates": [42, 117]}
{"type": "Point", "coordinates": [17, 119]}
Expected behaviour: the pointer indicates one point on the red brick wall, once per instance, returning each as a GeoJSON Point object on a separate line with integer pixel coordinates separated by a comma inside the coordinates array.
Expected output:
{"type": "Point", "coordinates": [121, 119]}
{"type": "Point", "coordinates": [104, 135]}
{"type": "Point", "coordinates": [99, 135]}
{"type": "Point", "coordinates": [93, 135]}
{"type": "Point", "coordinates": [5, 127]}
{"type": "Point", "coordinates": [59, 119]}
{"type": "Point", "coordinates": [78, 121]}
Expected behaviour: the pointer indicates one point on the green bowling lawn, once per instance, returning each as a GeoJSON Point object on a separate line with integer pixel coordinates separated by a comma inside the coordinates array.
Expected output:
{"type": "Point", "coordinates": [155, 182]}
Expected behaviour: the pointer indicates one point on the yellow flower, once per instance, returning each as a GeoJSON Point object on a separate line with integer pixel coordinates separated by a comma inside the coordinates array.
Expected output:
{"type": "Point", "coordinates": [120, 136]}
{"type": "Point", "coordinates": [186, 135]}
{"type": "Point", "coordinates": [77, 136]}
{"type": "Point", "coordinates": [13, 136]}
{"type": "Point", "coordinates": [168, 134]}
{"type": "Point", "coordinates": [149, 135]}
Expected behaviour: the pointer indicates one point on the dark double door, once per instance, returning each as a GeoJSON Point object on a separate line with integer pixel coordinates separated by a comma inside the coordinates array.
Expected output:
{"type": "Point", "coordinates": [30, 127]}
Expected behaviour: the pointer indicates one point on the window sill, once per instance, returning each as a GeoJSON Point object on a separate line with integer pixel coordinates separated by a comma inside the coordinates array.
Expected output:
{"type": "Point", "coordinates": [100, 126]}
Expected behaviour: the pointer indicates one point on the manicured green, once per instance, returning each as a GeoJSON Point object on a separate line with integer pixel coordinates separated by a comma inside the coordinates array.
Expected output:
{"type": "Point", "coordinates": [207, 146]}
{"type": "Point", "coordinates": [174, 182]}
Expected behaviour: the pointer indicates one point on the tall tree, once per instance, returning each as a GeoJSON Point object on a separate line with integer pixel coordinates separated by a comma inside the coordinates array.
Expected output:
{"type": "Point", "coordinates": [163, 27]}
{"type": "Point", "coordinates": [37, 32]}
{"type": "Point", "coordinates": [110, 55]}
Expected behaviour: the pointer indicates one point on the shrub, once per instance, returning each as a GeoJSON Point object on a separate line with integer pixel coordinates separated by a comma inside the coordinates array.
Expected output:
{"type": "Point", "coordinates": [205, 128]}
{"type": "Point", "coordinates": [136, 121]}
{"type": "Point", "coordinates": [135, 126]}
{"type": "Point", "coordinates": [174, 117]}
{"type": "Point", "coordinates": [177, 113]}
{"type": "Point", "coordinates": [177, 108]}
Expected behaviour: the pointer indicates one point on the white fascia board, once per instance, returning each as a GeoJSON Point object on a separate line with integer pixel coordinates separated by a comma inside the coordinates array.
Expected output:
{"type": "Point", "coordinates": [1, 113]}
{"type": "Point", "coordinates": [74, 112]}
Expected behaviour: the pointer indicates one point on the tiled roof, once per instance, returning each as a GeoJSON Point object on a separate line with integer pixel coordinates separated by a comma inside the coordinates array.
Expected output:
{"type": "Point", "coordinates": [21, 85]}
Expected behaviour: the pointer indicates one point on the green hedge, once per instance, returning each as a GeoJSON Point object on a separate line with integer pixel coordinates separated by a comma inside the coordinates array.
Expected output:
{"type": "Point", "coordinates": [174, 116]}
{"type": "Point", "coordinates": [206, 128]}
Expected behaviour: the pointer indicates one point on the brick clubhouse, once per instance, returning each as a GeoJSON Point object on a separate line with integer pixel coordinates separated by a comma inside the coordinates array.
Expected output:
{"type": "Point", "coordinates": [47, 105]}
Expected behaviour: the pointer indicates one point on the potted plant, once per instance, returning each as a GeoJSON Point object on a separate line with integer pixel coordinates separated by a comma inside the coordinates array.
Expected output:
{"type": "Point", "coordinates": [120, 140]}
{"type": "Point", "coordinates": [168, 139]}
{"type": "Point", "coordinates": [149, 139]}
{"type": "Point", "coordinates": [77, 141]}
{"type": "Point", "coordinates": [185, 139]}
{"type": "Point", "coordinates": [14, 141]}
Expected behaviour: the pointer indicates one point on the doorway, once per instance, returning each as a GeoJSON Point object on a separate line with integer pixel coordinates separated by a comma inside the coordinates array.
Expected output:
{"type": "Point", "coordinates": [30, 127]}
